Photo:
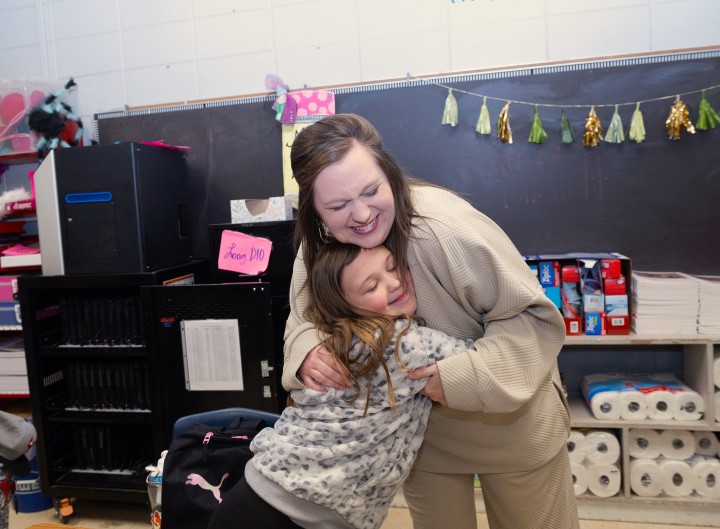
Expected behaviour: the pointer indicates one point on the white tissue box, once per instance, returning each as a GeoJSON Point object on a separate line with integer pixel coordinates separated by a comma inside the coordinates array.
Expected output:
{"type": "Point", "coordinates": [260, 210]}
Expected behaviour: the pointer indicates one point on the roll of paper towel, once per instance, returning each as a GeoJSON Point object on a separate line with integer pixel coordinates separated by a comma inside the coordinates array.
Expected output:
{"type": "Point", "coordinates": [661, 405]}
{"type": "Point", "coordinates": [677, 477]}
{"type": "Point", "coordinates": [602, 447]}
{"type": "Point", "coordinates": [717, 406]}
{"type": "Point", "coordinates": [633, 405]}
{"type": "Point", "coordinates": [677, 444]}
{"type": "Point", "coordinates": [603, 479]}
{"type": "Point", "coordinates": [644, 444]}
{"type": "Point", "coordinates": [577, 446]}
{"type": "Point", "coordinates": [707, 476]}
{"type": "Point", "coordinates": [645, 477]}
{"type": "Point", "coordinates": [579, 476]}
{"type": "Point", "coordinates": [601, 391]}
{"type": "Point", "coordinates": [716, 371]}
{"type": "Point", "coordinates": [706, 444]}
{"type": "Point", "coordinates": [689, 406]}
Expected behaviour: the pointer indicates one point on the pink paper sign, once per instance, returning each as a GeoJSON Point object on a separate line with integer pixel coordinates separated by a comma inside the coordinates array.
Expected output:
{"type": "Point", "coordinates": [243, 253]}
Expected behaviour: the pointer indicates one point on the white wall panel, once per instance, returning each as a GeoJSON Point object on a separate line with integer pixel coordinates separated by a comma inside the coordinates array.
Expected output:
{"type": "Point", "coordinates": [158, 45]}
{"type": "Point", "coordinates": [19, 27]}
{"type": "Point", "coordinates": [21, 61]}
{"type": "Point", "coordinates": [234, 76]}
{"type": "Point", "coordinates": [88, 55]}
{"type": "Point", "coordinates": [159, 84]}
{"type": "Point", "coordinates": [318, 66]}
{"type": "Point", "coordinates": [315, 23]}
{"type": "Point", "coordinates": [380, 18]}
{"type": "Point", "coordinates": [135, 13]}
{"type": "Point", "coordinates": [682, 24]}
{"type": "Point", "coordinates": [98, 16]}
{"type": "Point", "coordinates": [203, 8]}
{"type": "Point", "coordinates": [236, 33]}
{"type": "Point", "coordinates": [395, 56]}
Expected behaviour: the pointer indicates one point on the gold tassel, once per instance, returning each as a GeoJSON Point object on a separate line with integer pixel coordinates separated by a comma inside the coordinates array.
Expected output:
{"type": "Point", "coordinates": [503, 125]}
{"type": "Point", "coordinates": [483, 124]}
{"type": "Point", "coordinates": [615, 132]}
{"type": "Point", "coordinates": [678, 118]}
{"type": "Point", "coordinates": [450, 114]}
{"type": "Point", "coordinates": [593, 130]}
{"type": "Point", "coordinates": [637, 126]}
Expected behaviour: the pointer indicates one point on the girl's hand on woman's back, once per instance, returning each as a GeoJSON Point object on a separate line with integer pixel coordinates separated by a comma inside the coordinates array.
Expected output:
{"type": "Point", "coordinates": [321, 370]}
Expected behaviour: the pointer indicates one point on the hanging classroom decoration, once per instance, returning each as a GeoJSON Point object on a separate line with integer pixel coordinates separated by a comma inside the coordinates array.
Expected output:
{"type": "Point", "coordinates": [483, 124]}
{"type": "Point", "coordinates": [593, 130]}
{"type": "Point", "coordinates": [678, 118]}
{"type": "Point", "coordinates": [503, 125]}
{"type": "Point", "coordinates": [615, 132]}
{"type": "Point", "coordinates": [450, 113]}
{"type": "Point", "coordinates": [637, 126]}
{"type": "Point", "coordinates": [537, 133]}
{"type": "Point", "coordinates": [566, 133]}
{"type": "Point", "coordinates": [707, 117]}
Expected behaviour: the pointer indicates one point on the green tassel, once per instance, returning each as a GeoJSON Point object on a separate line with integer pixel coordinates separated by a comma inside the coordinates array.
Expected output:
{"type": "Point", "coordinates": [483, 124]}
{"type": "Point", "coordinates": [537, 133]}
{"type": "Point", "coordinates": [450, 114]}
{"type": "Point", "coordinates": [615, 132]}
{"type": "Point", "coordinates": [567, 137]}
{"type": "Point", "coordinates": [707, 117]}
{"type": "Point", "coordinates": [637, 126]}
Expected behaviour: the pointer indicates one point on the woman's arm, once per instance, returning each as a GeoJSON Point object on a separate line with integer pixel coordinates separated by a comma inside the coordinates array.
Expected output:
{"type": "Point", "coordinates": [471, 279]}
{"type": "Point", "coordinates": [306, 361]}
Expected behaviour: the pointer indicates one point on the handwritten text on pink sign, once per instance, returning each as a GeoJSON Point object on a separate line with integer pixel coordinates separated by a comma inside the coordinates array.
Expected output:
{"type": "Point", "coordinates": [243, 253]}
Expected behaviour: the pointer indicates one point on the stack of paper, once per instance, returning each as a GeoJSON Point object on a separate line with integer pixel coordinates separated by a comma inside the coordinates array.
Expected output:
{"type": "Point", "coordinates": [664, 302]}
{"type": "Point", "coordinates": [709, 310]}
{"type": "Point", "coordinates": [13, 370]}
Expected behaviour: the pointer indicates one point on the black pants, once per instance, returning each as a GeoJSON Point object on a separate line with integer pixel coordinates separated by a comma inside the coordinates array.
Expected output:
{"type": "Point", "coordinates": [241, 507]}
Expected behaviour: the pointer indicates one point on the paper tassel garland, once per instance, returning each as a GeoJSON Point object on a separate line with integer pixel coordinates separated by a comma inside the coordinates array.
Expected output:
{"type": "Point", "coordinates": [483, 124]}
{"type": "Point", "coordinates": [567, 137]}
{"type": "Point", "coordinates": [615, 132]}
{"type": "Point", "coordinates": [503, 125]}
{"type": "Point", "coordinates": [678, 118]}
{"type": "Point", "coordinates": [637, 126]}
{"type": "Point", "coordinates": [537, 133]}
{"type": "Point", "coordinates": [707, 117]}
{"type": "Point", "coordinates": [450, 114]}
{"type": "Point", "coordinates": [593, 130]}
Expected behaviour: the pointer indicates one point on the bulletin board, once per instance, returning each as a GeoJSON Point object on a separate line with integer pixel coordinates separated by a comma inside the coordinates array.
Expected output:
{"type": "Point", "coordinates": [655, 201]}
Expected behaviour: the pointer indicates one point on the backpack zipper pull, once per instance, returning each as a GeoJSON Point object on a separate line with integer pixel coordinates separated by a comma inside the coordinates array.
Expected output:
{"type": "Point", "coordinates": [206, 442]}
{"type": "Point", "coordinates": [208, 436]}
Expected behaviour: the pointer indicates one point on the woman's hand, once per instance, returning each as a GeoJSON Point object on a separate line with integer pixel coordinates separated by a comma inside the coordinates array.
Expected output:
{"type": "Point", "coordinates": [321, 370]}
{"type": "Point", "coordinates": [433, 389]}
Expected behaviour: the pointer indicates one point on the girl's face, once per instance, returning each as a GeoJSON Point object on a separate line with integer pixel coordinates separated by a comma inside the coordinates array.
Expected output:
{"type": "Point", "coordinates": [371, 284]}
{"type": "Point", "coordinates": [354, 199]}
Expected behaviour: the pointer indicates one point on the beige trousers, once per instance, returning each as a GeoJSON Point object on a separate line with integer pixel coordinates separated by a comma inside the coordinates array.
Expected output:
{"type": "Point", "coordinates": [542, 498]}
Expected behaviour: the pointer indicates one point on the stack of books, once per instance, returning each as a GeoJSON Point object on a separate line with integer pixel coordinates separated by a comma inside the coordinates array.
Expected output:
{"type": "Point", "coordinates": [709, 309]}
{"type": "Point", "coordinates": [664, 303]}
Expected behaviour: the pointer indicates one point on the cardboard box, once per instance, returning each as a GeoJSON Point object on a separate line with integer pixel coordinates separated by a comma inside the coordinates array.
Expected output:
{"type": "Point", "coordinates": [554, 294]}
{"type": "Point", "coordinates": [592, 264]}
{"type": "Point", "coordinates": [549, 273]}
{"type": "Point", "coordinates": [261, 210]}
{"type": "Point", "coordinates": [8, 288]}
{"type": "Point", "coordinates": [595, 324]}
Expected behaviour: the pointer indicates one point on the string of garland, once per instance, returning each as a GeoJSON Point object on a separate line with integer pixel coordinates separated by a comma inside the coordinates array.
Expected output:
{"type": "Point", "coordinates": [678, 119]}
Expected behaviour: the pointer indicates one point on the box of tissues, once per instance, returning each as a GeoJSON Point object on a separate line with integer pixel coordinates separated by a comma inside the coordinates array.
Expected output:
{"type": "Point", "coordinates": [260, 210]}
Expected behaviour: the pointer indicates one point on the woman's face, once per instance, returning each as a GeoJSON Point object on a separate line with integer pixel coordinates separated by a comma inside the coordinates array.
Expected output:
{"type": "Point", "coordinates": [371, 284]}
{"type": "Point", "coordinates": [354, 199]}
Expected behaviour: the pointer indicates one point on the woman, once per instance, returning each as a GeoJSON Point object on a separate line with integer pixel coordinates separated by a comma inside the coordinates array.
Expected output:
{"type": "Point", "coordinates": [335, 459]}
{"type": "Point", "coordinates": [503, 415]}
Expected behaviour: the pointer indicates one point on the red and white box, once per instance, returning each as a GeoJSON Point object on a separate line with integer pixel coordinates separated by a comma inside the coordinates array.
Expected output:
{"type": "Point", "coordinates": [8, 288]}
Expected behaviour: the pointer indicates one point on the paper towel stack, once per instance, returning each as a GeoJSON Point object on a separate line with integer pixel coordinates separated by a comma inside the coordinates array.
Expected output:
{"type": "Point", "coordinates": [594, 460]}
{"type": "Point", "coordinates": [674, 462]}
{"type": "Point", "coordinates": [614, 396]}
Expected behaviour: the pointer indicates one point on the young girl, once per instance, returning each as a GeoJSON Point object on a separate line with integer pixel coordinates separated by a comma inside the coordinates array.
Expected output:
{"type": "Point", "coordinates": [335, 459]}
